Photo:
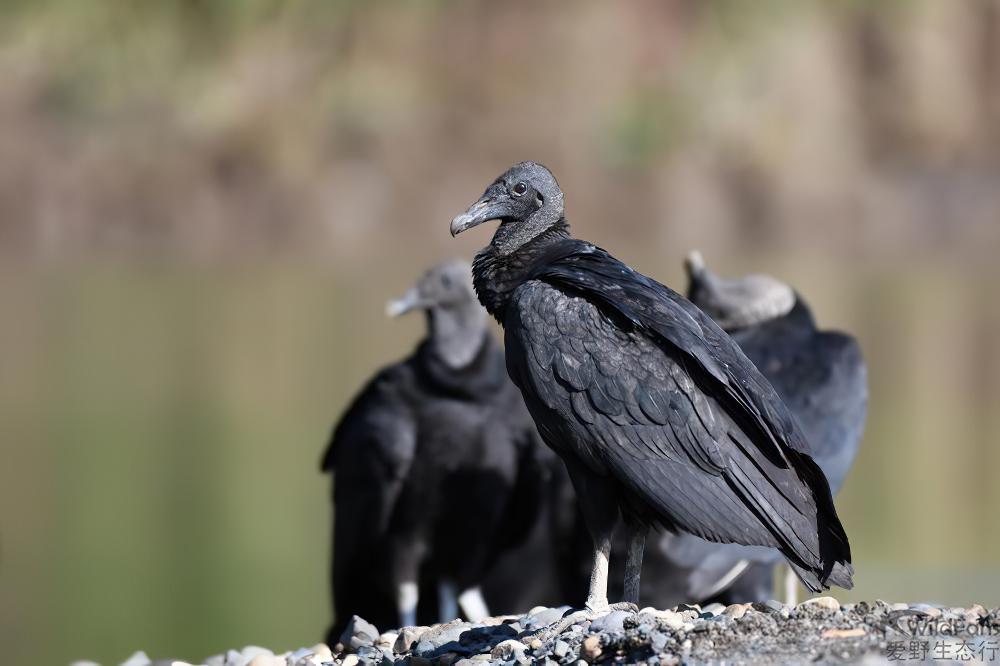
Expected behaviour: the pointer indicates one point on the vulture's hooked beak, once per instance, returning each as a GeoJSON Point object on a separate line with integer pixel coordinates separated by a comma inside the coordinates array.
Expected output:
{"type": "Point", "coordinates": [486, 209]}
{"type": "Point", "coordinates": [694, 264]}
{"type": "Point", "coordinates": [410, 301]}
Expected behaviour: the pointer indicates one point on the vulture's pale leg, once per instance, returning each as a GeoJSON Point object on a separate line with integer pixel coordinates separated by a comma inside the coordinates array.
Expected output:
{"type": "Point", "coordinates": [407, 596]}
{"type": "Point", "coordinates": [597, 595]}
{"type": "Point", "coordinates": [791, 586]}
{"type": "Point", "coordinates": [633, 563]}
{"type": "Point", "coordinates": [473, 605]}
{"type": "Point", "coordinates": [447, 601]}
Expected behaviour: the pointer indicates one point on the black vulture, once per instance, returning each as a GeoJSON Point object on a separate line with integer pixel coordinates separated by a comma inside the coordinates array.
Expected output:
{"type": "Point", "coordinates": [821, 377]}
{"type": "Point", "coordinates": [657, 414]}
{"type": "Point", "coordinates": [435, 468]}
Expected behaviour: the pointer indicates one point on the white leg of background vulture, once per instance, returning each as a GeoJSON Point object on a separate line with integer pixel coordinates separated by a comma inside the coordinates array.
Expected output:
{"type": "Point", "coordinates": [406, 603]}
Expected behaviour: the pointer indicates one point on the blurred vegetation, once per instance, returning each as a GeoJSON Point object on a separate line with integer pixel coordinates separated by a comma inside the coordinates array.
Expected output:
{"type": "Point", "coordinates": [204, 204]}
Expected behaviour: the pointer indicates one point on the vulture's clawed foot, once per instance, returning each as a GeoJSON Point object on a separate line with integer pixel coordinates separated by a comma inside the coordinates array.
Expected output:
{"type": "Point", "coordinates": [587, 614]}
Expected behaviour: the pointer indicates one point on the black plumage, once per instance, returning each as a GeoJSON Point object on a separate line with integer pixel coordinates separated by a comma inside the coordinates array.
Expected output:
{"type": "Point", "coordinates": [821, 377]}
{"type": "Point", "coordinates": [657, 414]}
{"type": "Point", "coordinates": [435, 469]}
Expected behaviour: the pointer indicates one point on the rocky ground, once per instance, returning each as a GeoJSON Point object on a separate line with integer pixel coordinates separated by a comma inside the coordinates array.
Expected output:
{"type": "Point", "coordinates": [819, 630]}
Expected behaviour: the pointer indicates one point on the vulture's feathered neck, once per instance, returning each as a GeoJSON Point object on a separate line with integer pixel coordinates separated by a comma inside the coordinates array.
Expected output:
{"type": "Point", "coordinates": [477, 379]}
{"type": "Point", "coordinates": [797, 322]}
{"type": "Point", "coordinates": [495, 275]}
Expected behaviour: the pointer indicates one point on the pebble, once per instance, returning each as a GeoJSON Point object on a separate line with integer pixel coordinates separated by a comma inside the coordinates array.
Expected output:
{"type": "Point", "coordinates": [769, 606]}
{"type": "Point", "coordinates": [358, 632]}
{"type": "Point", "coordinates": [613, 621]}
{"type": "Point", "coordinates": [713, 609]}
{"type": "Point", "coordinates": [736, 611]}
{"type": "Point", "coordinates": [406, 638]}
{"type": "Point", "coordinates": [350, 660]}
{"type": "Point", "coordinates": [590, 649]}
{"type": "Point", "coordinates": [509, 649]}
{"type": "Point", "coordinates": [928, 610]}
{"type": "Point", "coordinates": [826, 603]}
{"type": "Point", "coordinates": [543, 617]}
{"type": "Point", "coordinates": [137, 659]}
{"type": "Point", "coordinates": [560, 649]}
{"type": "Point", "coordinates": [843, 633]}
{"type": "Point", "coordinates": [267, 660]}
{"type": "Point", "coordinates": [670, 618]}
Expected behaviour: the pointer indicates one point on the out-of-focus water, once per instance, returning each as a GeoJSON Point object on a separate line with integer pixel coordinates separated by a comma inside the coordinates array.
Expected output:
{"type": "Point", "coordinates": [162, 427]}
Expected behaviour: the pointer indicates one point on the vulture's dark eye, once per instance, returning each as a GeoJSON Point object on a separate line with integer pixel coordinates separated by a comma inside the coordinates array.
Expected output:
{"type": "Point", "coordinates": [519, 189]}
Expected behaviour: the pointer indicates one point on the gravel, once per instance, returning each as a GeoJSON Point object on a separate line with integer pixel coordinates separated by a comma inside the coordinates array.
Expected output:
{"type": "Point", "coordinates": [818, 630]}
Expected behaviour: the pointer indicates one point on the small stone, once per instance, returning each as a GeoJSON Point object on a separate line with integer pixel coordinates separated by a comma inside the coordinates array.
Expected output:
{"type": "Point", "coordinates": [670, 618]}
{"type": "Point", "coordinates": [311, 659]}
{"type": "Point", "coordinates": [613, 621]}
{"type": "Point", "coordinates": [843, 633]}
{"type": "Point", "coordinates": [979, 610]}
{"type": "Point", "coordinates": [385, 639]}
{"type": "Point", "coordinates": [900, 607]}
{"type": "Point", "coordinates": [543, 617]}
{"type": "Point", "coordinates": [560, 649]}
{"type": "Point", "coordinates": [406, 638]}
{"type": "Point", "coordinates": [658, 641]}
{"type": "Point", "coordinates": [445, 633]}
{"type": "Point", "coordinates": [769, 606]}
{"type": "Point", "coordinates": [826, 603]}
{"type": "Point", "coordinates": [234, 658]}
{"type": "Point", "coordinates": [591, 648]}
{"type": "Point", "coordinates": [267, 660]}
{"type": "Point", "coordinates": [508, 649]}
{"type": "Point", "coordinates": [423, 647]}
{"type": "Point", "coordinates": [736, 611]}
{"type": "Point", "coordinates": [350, 660]}
{"type": "Point", "coordinates": [535, 644]}
{"type": "Point", "coordinates": [137, 659]}
{"type": "Point", "coordinates": [714, 609]}
{"type": "Point", "coordinates": [251, 651]}
{"type": "Point", "coordinates": [358, 632]}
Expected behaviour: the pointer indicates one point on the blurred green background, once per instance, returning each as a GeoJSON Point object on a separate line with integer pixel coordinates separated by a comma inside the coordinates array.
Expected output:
{"type": "Point", "coordinates": [205, 203]}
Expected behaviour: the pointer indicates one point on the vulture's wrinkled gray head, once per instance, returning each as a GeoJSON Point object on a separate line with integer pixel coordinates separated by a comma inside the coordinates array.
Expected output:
{"type": "Point", "coordinates": [447, 285]}
{"type": "Point", "coordinates": [455, 320]}
{"type": "Point", "coordinates": [737, 303]}
{"type": "Point", "coordinates": [526, 199]}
